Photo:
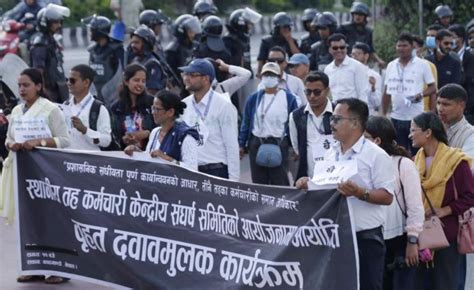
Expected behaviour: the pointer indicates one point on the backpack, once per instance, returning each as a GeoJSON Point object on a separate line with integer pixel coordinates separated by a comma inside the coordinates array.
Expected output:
{"type": "Point", "coordinates": [93, 117]}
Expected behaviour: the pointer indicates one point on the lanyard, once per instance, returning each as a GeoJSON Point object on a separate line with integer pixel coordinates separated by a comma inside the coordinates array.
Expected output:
{"type": "Point", "coordinates": [206, 111]}
{"type": "Point", "coordinates": [264, 110]}
{"type": "Point", "coordinates": [315, 126]}
{"type": "Point", "coordinates": [83, 106]}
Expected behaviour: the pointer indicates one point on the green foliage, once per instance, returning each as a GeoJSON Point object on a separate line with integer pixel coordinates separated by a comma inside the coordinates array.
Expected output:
{"type": "Point", "coordinates": [271, 5]}
{"type": "Point", "coordinates": [384, 39]}
{"type": "Point", "coordinates": [84, 8]}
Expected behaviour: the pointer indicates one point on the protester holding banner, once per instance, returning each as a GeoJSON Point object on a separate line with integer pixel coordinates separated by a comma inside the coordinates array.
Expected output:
{"type": "Point", "coordinates": [172, 141]}
{"type": "Point", "coordinates": [443, 171]}
{"type": "Point", "coordinates": [310, 129]}
{"type": "Point", "coordinates": [264, 123]}
{"type": "Point", "coordinates": [367, 191]}
{"type": "Point", "coordinates": [405, 215]}
{"type": "Point", "coordinates": [132, 120]}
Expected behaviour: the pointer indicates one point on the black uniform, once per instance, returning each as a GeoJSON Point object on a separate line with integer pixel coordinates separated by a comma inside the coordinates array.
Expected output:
{"type": "Point", "coordinates": [357, 33]}
{"type": "Point", "coordinates": [307, 41]}
{"type": "Point", "coordinates": [178, 54]}
{"type": "Point", "coordinates": [270, 41]}
{"type": "Point", "coordinates": [319, 55]}
{"type": "Point", "coordinates": [105, 62]}
{"type": "Point", "coordinates": [47, 55]}
{"type": "Point", "coordinates": [239, 48]}
{"type": "Point", "coordinates": [203, 51]}
{"type": "Point", "coordinates": [156, 78]}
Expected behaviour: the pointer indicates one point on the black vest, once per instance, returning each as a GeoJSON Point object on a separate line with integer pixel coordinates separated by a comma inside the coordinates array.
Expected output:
{"type": "Point", "coordinates": [301, 122]}
{"type": "Point", "coordinates": [104, 62]}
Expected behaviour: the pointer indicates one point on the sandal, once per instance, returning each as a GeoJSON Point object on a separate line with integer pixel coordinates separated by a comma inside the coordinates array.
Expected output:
{"type": "Point", "coordinates": [55, 280]}
{"type": "Point", "coordinates": [30, 278]}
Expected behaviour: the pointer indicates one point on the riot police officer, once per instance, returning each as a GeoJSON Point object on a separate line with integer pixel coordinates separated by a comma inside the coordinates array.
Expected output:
{"type": "Point", "coordinates": [141, 44]}
{"type": "Point", "coordinates": [444, 15]}
{"type": "Point", "coordinates": [105, 55]}
{"type": "Point", "coordinates": [280, 36]}
{"type": "Point", "coordinates": [154, 19]}
{"type": "Point", "coordinates": [237, 39]}
{"type": "Point", "coordinates": [180, 51]}
{"type": "Point", "coordinates": [212, 45]}
{"type": "Point", "coordinates": [312, 36]}
{"type": "Point", "coordinates": [46, 54]}
{"type": "Point", "coordinates": [203, 8]}
{"type": "Point", "coordinates": [326, 24]}
{"type": "Point", "coordinates": [358, 31]}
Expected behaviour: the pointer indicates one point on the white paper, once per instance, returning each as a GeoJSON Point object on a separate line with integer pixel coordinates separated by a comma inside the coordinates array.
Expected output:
{"type": "Point", "coordinates": [328, 174]}
{"type": "Point", "coordinates": [30, 128]}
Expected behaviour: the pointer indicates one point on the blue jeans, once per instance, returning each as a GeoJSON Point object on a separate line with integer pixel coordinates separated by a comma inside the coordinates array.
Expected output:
{"type": "Point", "coordinates": [403, 130]}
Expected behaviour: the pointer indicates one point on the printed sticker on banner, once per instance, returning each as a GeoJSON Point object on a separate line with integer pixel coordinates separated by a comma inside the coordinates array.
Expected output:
{"type": "Point", "coordinates": [25, 129]}
{"type": "Point", "coordinates": [328, 174]}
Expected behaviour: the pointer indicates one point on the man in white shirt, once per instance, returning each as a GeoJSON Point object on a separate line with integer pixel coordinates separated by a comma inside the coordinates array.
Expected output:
{"type": "Point", "coordinates": [361, 52]}
{"type": "Point", "coordinates": [404, 82]}
{"type": "Point", "coordinates": [79, 111]}
{"type": "Point", "coordinates": [299, 65]}
{"type": "Point", "coordinates": [347, 77]}
{"type": "Point", "coordinates": [368, 191]}
{"type": "Point", "coordinates": [215, 118]}
{"type": "Point", "coordinates": [310, 131]}
{"type": "Point", "coordinates": [287, 81]}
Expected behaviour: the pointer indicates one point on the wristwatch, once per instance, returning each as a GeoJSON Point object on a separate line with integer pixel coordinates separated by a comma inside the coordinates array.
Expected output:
{"type": "Point", "coordinates": [365, 196]}
{"type": "Point", "coordinates": [43, 143]}
{"type": "Point", "coordinates": [412, 240]}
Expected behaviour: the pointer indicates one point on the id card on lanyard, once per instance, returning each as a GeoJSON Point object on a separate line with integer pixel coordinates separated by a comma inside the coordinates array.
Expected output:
{"type": "Point", "coordinates": [199, 123]}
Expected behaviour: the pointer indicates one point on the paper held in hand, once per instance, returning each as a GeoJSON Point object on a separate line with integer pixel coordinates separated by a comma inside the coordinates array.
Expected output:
{"type": "Point", "coordinates": [328, 174]}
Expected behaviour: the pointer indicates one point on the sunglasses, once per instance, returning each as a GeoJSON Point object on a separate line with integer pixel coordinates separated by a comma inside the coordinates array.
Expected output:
{"type": "Point", "coordinates": [71, 80]}
{"type": "Point", "coordinates": [316, 92]}
{"type": "Point", "coordinates": [277, 60]}
{"type": "Point", "coordinates": [338, 47]}
{"type": "Point", "coordinates": [336, 119]}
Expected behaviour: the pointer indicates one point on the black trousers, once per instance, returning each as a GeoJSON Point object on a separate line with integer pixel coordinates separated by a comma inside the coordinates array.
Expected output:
{"type": "Point", "coordinates": [400, 276]}
{"type": "Point", "coordinates": [265, 175]}
{"type": "Point", "coordinates": [215, 169]}
{"type": "Point", "coordinates": [371, 247]}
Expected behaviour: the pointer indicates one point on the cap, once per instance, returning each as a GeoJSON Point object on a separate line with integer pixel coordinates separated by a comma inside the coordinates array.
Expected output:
{"type": "Point", "coordinates": [271, 67]}
{"type": "Point", "coordinates": [202, 66]}
{"type": "Point", "coordinates": [298, 58]}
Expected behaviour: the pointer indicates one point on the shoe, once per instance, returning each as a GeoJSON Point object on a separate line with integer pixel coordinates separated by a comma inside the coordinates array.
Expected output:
{"type": "Point", "coordinates": [30, 278]}
{"type": "Point", "coordinates": [55, 280]}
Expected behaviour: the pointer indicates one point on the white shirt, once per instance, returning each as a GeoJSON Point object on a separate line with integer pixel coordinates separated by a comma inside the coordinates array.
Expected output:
{"type": "Point", "coordinates": [82, 110]}
{"type": "Point", "coordinates": [375, 171]}
{"type": "Point", "coordinates": [312, 134]}
{"type": "Point", "coordinates": [221, 121]}
{"type": "Point", "coordinates": [374, 97]}
{"type": "Point", "coordinates": [348, 80]}
{"type": "Point", "coordinates": [468, 146]}
{"type": "Point", "coordinates": [189, 149]}
{"type": "Point", "coordinates": [275, 111]}
{"type": "Point", "coordinates": [240, 77]}
{"type": "Point", "coordinates": [294, 85]}
{"type": "Point", "coordinates": [401, 83]}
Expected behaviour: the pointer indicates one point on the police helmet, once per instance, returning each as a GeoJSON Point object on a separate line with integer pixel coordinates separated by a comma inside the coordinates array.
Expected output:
{"type": "Point", "coordinates": [282, 19]}
{"type": "Point", "coordinates": [202, 8]}
{"type": "Point", "coordinates": [212, 26]}
{"type": "Point", "coordinates": [360, 8]}
{"type": "Point", "coordinates": [443, 11]}
{"type": "Point", "coordinates": [184, 23]}
{"type": "Point", "coordinates": [152, 17]}
{"type": "Point", "coordinates": [309, 14]}
{"type": "Point", "coordinates": [51, 13]}
{"type": "Point", "coordinates": [325, 20]}
{"type": "Point", "coordinates": [239, 18]}
{"type": "Point", "coordinates": [99, 25]}
{"type": "Point", "coordinates": [145, 33]}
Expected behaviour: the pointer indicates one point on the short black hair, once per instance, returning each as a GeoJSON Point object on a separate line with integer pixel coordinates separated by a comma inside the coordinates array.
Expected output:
{"type": "Point", "coordinates": [357, 108]}
{"type": "Point", "coordinates": [170, 100]}
{"type": "Point", "coordinates": [435, 26]}
{"type": "Point", "coordinates": [362, 46]}
{"type": "Point", "coordinates": [429, 120]}
{"type": "Point", "coordinates": [459, 30]}
{"type": "Point", "coordinates": [85, 72]}
{"type": "Point", "coordinates": [418, 40]}
{"type": "Point", "coordinates": [316, 76]}
{"type": "Point", "coordinates": [454, 92]}
{"type": "Point", "coordinates": [278, 49]}
{"type": "Point", "coordinates": [442, 34]}
{"type": "Point", "coordinates": [405, 36]}
{"type": "Point", "coordinates": [336, 37]}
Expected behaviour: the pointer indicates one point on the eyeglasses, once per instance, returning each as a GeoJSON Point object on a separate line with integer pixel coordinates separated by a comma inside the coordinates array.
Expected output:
{"type": "Point", "coordinates": [192, 75]}
{"type": "Point", "coordinates": [277, 60]}
{"type": "Point", "coordinates": [336, 119]}
{"type": "Point", "coordinates": [338, 47]}
{"type": "Point", "coordinates": [316, 92]}
{"type": "Point", "coordinates": [71, 80]}
{"type": "Point", "coordinates": [156, 109]}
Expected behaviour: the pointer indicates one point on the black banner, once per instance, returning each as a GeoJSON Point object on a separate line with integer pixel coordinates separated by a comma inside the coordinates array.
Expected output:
{"type": "Point", "coordinates": [148, 225]}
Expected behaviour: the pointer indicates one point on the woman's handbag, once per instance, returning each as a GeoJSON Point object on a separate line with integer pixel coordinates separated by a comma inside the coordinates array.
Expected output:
{"type": "Point", "coordinates": [432, 237]}
{"type": "Point", "coordinates": [466, 228]}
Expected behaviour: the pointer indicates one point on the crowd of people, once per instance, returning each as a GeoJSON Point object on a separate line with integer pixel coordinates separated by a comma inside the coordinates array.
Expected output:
{"type": "Point", "coordinates": [408, 131]}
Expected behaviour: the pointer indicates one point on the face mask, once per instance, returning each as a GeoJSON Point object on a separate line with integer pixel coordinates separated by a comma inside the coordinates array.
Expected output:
{"type": "Point", "coordinates": [269, 82]}
{"type": "Point", "coordinates": [430, 42]}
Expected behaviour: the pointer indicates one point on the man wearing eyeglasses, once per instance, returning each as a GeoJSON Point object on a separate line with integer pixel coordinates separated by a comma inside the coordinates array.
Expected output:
{"type": "Point", "coordinates": [215, 118]}
{"type": "Point", "coordinates": [286, 81]}
{"type": "Point", "coordinates": [347, 77]}
{"type": "Point", "coordinates": [367, 191]}
{"type": "Point", "coordinates": [310, 131]}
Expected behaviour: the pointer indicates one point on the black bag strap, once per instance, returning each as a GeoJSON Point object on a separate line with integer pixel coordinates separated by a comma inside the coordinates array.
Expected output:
{"type": "Point", "coordinates": [403, 190]}
{"type": "Point", "coordinates": [433, 212]}
{"type": "Point", "coordinates": [94, 114]}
